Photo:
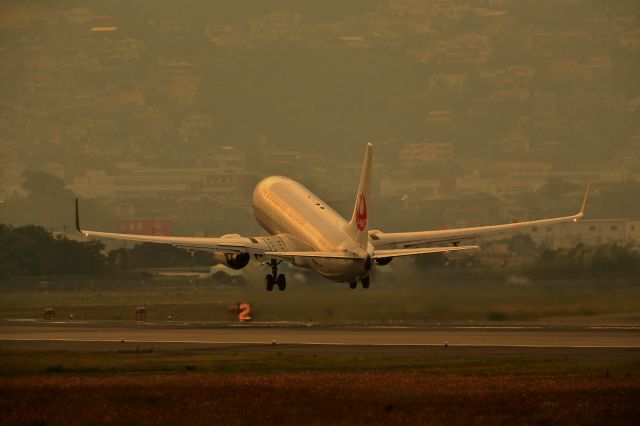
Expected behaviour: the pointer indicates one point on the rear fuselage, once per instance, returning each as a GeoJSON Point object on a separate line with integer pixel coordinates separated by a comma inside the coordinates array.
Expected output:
{"type": "Point", "coordinates": [286, 208]}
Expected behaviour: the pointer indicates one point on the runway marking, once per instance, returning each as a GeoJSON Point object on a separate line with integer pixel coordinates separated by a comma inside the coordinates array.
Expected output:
{"type": "Point", "coordinates": [270, 343]}
{"type": "Point", "coordinates": [285, 325]}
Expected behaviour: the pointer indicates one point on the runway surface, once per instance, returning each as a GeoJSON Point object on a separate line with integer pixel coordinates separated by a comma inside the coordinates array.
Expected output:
{"type": "Point", "coordinates": [11, 334]}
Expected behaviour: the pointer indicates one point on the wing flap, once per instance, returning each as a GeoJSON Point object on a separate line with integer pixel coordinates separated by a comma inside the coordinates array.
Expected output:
{"type": "Point", "coordinates": [321, 254]}
{"type": "Point", "coordinates": [379, 254]}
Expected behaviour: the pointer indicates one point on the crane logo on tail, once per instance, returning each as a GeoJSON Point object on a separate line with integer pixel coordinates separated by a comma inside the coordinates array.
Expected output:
{"type": "Point", "coordinates": [361, 212]}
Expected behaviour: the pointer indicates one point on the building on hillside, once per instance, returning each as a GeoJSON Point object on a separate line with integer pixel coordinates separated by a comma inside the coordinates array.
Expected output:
{"type": "Point", "coordinates": [227, 158]}
{"type": "Point", "coordinates": [440, 117]}
{"type": "Point", "coordinates": [468, 49]}
{"type": "Point", "coordinates": [12, 178]}
{"type": "Point", "coordinates": [145, 226]}
{"type": "Point", "coordinates": [416, 154]}
{"type": "Point", "coordinates": [630, 40]}
{"type": "Point", "coordinates": [402, 187]}
{"type": "Point", "coordinates": [221, 185]}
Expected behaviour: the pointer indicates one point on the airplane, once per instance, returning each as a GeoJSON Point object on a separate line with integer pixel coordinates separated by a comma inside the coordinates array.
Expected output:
{"type": "Point", "coordinates": [306, 232]}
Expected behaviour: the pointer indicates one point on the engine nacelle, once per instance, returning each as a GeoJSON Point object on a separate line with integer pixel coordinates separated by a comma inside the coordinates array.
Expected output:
{"type": "Point", "coordinates": [384, 260]}
{"type": "Point", "coordinates": [232, 260]}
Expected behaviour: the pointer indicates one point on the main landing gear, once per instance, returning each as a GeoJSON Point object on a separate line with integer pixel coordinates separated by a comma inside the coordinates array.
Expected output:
{"type": "Point", "coordinates": [274, 278]}
{"type": "Point", "coordinates": [364, 282]}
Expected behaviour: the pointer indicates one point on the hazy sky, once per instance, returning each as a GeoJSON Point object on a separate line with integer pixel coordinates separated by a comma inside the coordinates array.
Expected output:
{"type": "Point", "coordinates": [310, 77]}
{"type": "Point", "coordinates": [92, 84]}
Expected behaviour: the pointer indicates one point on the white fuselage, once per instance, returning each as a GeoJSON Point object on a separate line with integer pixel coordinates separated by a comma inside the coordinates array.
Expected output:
{"type": "Point", "coordinates": [286, 208]}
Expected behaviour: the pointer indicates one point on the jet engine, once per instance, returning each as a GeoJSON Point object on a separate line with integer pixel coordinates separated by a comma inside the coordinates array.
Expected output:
{"type": "Point", "coordinates": [232, 260]}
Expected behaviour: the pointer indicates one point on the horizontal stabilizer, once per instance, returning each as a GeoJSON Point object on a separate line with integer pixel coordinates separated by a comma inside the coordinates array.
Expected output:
{"type": "Point", "coordinates": [379, 254]}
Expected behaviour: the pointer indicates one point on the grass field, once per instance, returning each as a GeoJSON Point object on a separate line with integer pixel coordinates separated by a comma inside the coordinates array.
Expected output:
{"type": "Point", "coordinates": [433, 298]}
{"type": "Point", "coordinates": [146, 386]}
{"type": "Point", "coordinates": [293, 384]}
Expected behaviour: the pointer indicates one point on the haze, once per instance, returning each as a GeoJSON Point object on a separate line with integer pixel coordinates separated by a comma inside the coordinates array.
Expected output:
{"type": "Point", "coordinates": [481, 112]}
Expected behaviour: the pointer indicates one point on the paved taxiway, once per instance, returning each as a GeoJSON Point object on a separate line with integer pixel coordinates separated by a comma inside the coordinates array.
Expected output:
{"type": "Point", "coordinates": [544, 337]}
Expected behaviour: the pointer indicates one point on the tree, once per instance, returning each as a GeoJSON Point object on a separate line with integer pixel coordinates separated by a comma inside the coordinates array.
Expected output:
{"type": "Point", "coordinates": [522, 244]}
{"type": "Point", "coordinates": [431, 261]}
{"type": "Point", "coordinates": [50, 204]}
{"type": "Point", "coordinates": [32, 251]}
{"type": "Point", "coordinates": [45, 186]}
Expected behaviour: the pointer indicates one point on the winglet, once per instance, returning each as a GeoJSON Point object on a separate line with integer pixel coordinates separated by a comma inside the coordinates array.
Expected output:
{"type": "Point", "coordinates": [77, 218]}
{"type": "Point", "coordinates": [585, 200]}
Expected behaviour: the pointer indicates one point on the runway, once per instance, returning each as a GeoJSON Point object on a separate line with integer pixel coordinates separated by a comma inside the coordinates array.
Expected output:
{"type": "Point", "coordinates": [11, 334]}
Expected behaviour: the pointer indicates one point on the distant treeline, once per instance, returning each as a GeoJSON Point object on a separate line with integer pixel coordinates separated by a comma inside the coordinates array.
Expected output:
{"type": "Point", "coordinates": [585, 262]}
{"type": "Point", "coordinates": [33, 251]}
{"type": "Point", "coordinates": [582, 262]}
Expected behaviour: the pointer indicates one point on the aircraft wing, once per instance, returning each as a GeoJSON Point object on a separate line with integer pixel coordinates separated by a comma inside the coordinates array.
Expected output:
{"type": "Point", "coordinates": [399, 240]}
{"type": "Point", "coordinates": [228, 244]}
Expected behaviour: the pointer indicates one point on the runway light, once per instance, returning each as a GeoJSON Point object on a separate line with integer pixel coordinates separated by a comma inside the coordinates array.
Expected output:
{"type": "Point", "coordinates": [273, 342]}
{"type": "Point", "coordinates": [103, 29]}
{"type": "Point", "coordinates": [122, 340]}
{"type": "Point", "coordinates": [446, 344]}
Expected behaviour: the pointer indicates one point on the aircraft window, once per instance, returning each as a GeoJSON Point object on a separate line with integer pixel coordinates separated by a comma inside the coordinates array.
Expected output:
{"type": "Point", "coordinates": [322, 207]}
{"type": "Point", "coordinates": [592, 228]}
{"type": "Point", "coordinates": [614, 228]}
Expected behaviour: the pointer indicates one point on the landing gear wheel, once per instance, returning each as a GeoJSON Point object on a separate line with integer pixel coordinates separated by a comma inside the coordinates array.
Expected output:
{"type": "Point", "coordinates": [353, 285]}
{"type": "Point", "coordinates": [282, 282]}
{"type": "Point", "coordinates": [268, 282]}
{"type": "Point", "coordinates": [273, 278]}
{"type": "Point", "coordinates": [365, 282]}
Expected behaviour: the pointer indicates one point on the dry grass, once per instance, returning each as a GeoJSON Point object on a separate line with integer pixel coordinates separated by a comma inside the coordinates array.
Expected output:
{"type": "Point", "coordinates": [432, 299]}
{"type": "Point", "coordinates": [146, 386]}
{"type": "Point", "coordinates": [399, 397]}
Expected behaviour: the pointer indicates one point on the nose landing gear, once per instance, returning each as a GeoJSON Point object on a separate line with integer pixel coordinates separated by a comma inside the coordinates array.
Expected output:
{"type": "Point", "coordinates": [274, 278]}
